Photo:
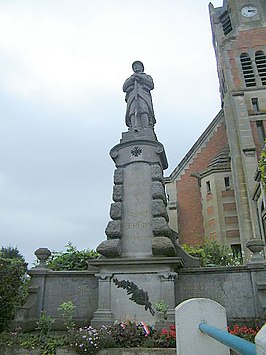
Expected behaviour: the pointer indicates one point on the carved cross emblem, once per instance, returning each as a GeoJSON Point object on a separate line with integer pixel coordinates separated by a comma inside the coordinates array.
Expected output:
{"type": "Point", "coordinates": [136, 151]}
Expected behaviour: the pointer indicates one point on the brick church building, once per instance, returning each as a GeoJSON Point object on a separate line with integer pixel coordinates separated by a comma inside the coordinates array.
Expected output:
{"type": "Point", "coordinates": [215, 190]}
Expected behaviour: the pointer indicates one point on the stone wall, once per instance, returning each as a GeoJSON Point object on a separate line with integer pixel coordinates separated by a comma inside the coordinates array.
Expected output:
{"type": "Point", "coordinates": [239, 289]}
{"type": "Point", "coordinates": [49, 289]}
{"type": "Point", "coordinates": [78, 287]}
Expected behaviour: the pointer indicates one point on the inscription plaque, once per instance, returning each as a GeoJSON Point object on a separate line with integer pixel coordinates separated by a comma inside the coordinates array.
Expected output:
{"type": "Point", "coordinates": [137, 210]}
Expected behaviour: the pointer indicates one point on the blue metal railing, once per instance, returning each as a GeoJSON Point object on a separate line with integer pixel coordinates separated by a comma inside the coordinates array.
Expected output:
{"type": "Point", "coordinates": [234, 342]}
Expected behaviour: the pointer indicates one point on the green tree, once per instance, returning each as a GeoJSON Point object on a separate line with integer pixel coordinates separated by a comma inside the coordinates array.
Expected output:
{"type": "Point", "coordinates": [13, 284]}
{"type": "Point", "coordinates": [10, 252]}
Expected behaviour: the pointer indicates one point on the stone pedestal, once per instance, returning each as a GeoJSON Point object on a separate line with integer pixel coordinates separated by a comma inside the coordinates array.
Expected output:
{"type": "Point", "coordinates": [129, 288]}
{"type": "Point", "coordinates": [140, 255]}
{"type": "Point", "coordinates": [139, 226]}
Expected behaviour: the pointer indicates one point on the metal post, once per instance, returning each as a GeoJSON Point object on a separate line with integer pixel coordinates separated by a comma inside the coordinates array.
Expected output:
{"type": "Point", "coordinates": [234, 342]}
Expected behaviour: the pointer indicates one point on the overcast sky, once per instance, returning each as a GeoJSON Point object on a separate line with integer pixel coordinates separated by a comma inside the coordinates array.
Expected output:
{"type": "Point", "coordinates": [62, 67]}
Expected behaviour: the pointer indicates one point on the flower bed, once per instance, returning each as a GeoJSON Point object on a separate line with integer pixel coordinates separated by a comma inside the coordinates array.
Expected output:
{"type": "Point", "coordinates": [247, 333]}
{"type": "Point", "coordinates": [122, 338]}
{"type": "Point", "coordinates": [121, 335]}
{"type": "Point", "coordinates": [106, 340]}
{"type": "Point", "coordinates": [69, 351]}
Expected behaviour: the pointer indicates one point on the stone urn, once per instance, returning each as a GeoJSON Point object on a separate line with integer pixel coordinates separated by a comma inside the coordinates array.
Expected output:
{"type": "Point", "coordinates": [42, 255]}
{"type": "Point", "coordinates": [256, 246]}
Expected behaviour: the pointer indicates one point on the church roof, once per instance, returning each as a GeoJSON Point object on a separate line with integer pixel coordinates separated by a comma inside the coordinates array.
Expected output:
{"type": "Point", "coordinates": [197, 146]}
{"type": "Point", "coordinates": [221, 162]}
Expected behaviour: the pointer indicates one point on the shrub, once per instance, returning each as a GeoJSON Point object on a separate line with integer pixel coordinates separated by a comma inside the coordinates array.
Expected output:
{"type": "Point", "coordinates": [31, 341]}
{"type": "Point", "coordinates": [41, 338]}
{"type": "Point", "coordinates": [8, 339]}
{"type": "Point", "coordinates": [44, 325]}
{"type": "Point", "coordinates": [211, 253]}
{"type": "Point", "coordinates": [13, 284]}
{"type": "Point", "coordinates": [71, 259]}
{"type": "Point", "coordinates": [105, 338]}
{"type": "Point", "coordinates": [128, 334]}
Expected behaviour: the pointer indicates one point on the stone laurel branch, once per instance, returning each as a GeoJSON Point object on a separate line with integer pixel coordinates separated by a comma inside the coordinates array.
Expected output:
{"type": "Point", "coordinates": [139, 296]}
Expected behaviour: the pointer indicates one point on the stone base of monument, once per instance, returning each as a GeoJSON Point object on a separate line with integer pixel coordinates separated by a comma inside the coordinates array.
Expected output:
{"type": "Point", "coordinates": [129, 288]}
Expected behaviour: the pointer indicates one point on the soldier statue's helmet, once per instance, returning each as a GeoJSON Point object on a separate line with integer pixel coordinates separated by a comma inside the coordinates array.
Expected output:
{"type": "Point", "coordinates": [138, 62]}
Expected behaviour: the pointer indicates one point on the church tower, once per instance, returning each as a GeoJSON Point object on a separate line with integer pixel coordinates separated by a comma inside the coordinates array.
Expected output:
{"type": "Point", "coordinates": [239, 39]}
{"type": "Point", "coordinates": [212, 192]}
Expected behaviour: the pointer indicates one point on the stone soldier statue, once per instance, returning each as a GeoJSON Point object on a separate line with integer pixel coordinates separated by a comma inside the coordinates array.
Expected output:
{"type": "Point", "coordinates": [137, 87]}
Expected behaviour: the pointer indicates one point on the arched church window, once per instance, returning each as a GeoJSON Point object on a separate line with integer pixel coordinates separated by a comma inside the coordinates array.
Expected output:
{"type": "Point", "coordinates": [247, 69]}
{"type": "Point", "coordinates": [260, 60]}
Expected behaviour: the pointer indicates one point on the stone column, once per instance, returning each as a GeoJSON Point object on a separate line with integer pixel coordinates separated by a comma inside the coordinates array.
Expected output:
{"type": "Point", "coordinates": [243, 165]}
{"type": "Point", "coordinates": [168, 293]}
{"type": "Point", "coordinates": [103, 315]}
{"type": "Point", "coordinates": [28, 314]}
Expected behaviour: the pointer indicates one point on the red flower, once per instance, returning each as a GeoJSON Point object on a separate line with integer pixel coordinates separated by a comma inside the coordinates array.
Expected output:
{"type": "Point", "coordinates": [164, 332]}
{"type": "Point", "coordinates": [244, 331]}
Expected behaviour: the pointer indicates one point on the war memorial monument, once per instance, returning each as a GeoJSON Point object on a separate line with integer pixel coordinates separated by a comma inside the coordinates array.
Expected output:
{"type": "Point", "coordinates": [141, 261]}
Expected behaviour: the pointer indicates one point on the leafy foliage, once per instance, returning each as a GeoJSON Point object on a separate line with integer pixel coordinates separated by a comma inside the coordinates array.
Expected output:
{"type": "Point", "coordinates": [68, 308]}
{"type": "Point", "coordinates": [44, 325]}
{"type": "Point", "coordinates": [11, 253]}
{"type": "Point", "coordinates": [13, 284]}
{"type": "Point", "coordinates": [41, 338]}
{"type": "Point", "coordinates": [50, 344]}
{"type": "Point", "coordinates": [71, 259]}
{"type": "Point", "coordinates": [128, 334]}
{"type": "Point", "coordinates": [32, 341]}
{"type": "Point", "coordinates": [211, 253]}
{"type": "Point", "coordinates": [161, 308]}
{"type": "Point", "coordinates": [262, 166]}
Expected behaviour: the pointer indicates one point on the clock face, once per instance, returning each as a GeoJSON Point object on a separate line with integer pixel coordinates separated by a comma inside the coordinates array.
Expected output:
{"type": "Point", "coordinates": [249, 11]}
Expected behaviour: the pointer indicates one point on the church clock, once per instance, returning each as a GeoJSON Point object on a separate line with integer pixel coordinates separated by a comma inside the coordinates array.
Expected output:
{"type": "Point", "coordinates": [249, 11]}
